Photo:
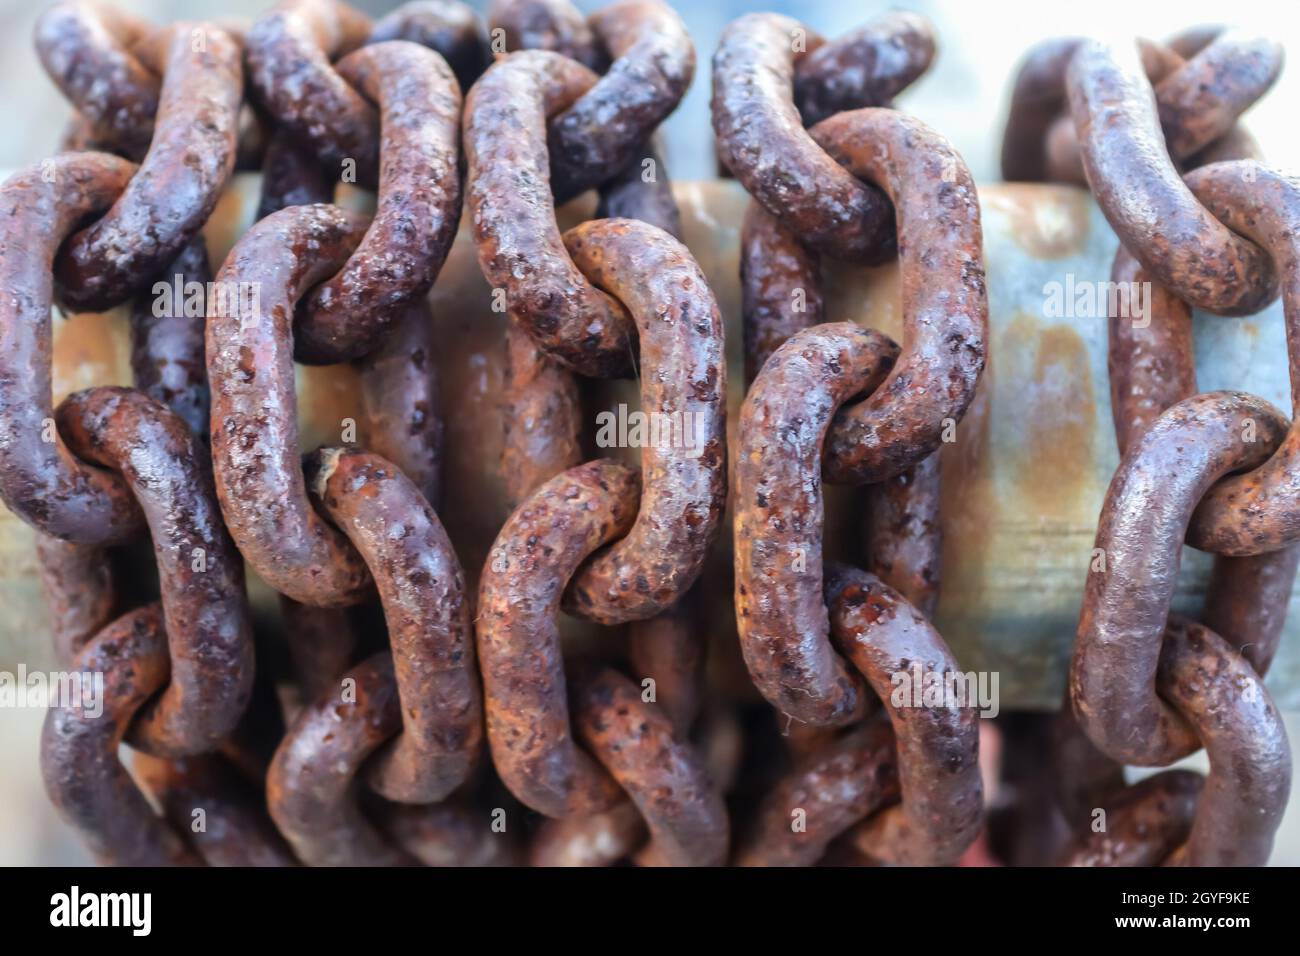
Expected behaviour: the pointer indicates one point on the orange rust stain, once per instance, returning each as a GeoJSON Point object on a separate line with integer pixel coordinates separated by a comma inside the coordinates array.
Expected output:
{"type": "Point", "coordinates": [1048, 222]}
{"type": "Point", "coordinates": [1057, 417]}
{"type": "Point", "coordinates": [968, 513]}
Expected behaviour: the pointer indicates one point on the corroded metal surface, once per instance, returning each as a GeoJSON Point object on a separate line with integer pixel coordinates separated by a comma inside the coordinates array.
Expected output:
{"type": "Point", "coordinates": [1017, 544]}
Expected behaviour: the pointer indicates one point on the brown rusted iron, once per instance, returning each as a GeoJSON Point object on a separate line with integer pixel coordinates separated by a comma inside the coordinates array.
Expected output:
{"type": "Point", "coordinates": [449, 834]}
{"type": "Point", "coordinates": [826, 794]}
{"type": "Point", "coordinates": [1198, 102]}
{"type": "Point", "coordinates": [631, 195]}
{"type": "Point", "coordinates": [86, 48]}
{"type": "Point", "coordinates": [763, 142]}
{"type": "Point", "coordinates": [653, 61]}
{"type": "Point", "coordinates": [777, 496]}
{"type": "Point", "coordinates": [1136, 559]}
{"type": "Point", "coordinates": [665, 778]}
{"type": "Point", "coordinates": [635, 776]}
{"type": "Point", "coordinates": [945, 304]}
{"type": "Point", "coordinates": [254, 428]}
{"type": "Point", "coordinates": [541, 413]}
{"type": "Point", "coordinates": [780, 284]}
{"type": "Point", "coordinates": [508, 199]}
{"type": "Point", "coordinates": [322, 645]}
{"type": "Point", "coordinates": [400, 400]}
{"type": "Point", "coordinates": [1188, 250]}
{"type": "Point", "coordinates": [293, 54]}
{"type": "Point", "coordinates": [78, 583]}
{"type": "Point", "coordinates": [422, 589]}
{"type": "Point", "coordinates": [541, 407]}
{"type": "Point", "coordinates": [1142, 826]}
{"type": "Point", "coordinates": [596, 839]}
{"type": "Point", "coordinates": [683, 390]}
{"type": "Point", "coordinates": [538, 550]}
{"type": "Point", "coordinates": [1257, 512]}
{"type": "Point", "coordinates": [937, 746]}
{"type": "Point", "coordinates": [654, 276]}
{"type": "Point", "coordinates": [40, 480]}
{"type": "Point", "coordinates": [868, 66]}
{"type": "Point", "coordinates": [669, 650]}
{"type": "Point", "coordinates": [449, 27]}
{"type": "Point", "coordinates": [1152, 368]}
{"type": "Point", "coordinates": [314, 798]}
{"type": "Point", "coordinates": [418, 206]}
{"type": "Point", "coordinates": [84, 778]}
{"type": "Point", "coordinates": [603, 138]}
{"type": "Point", "coordinates": [180, 179]}
{"type": "Point", "coordinates": [1246, 602]}
{"type": "Point", "coordinates": [209, 629]}
{"type": "Point", "coordinates": [903, 537]}
{"type": "Point", "coordinates": [291, 176]}
{"type": "Point", "coordinates": [223, 817]}
{"type": "Point", "coordinates": [1039, 102]}
{"type": "Point", "coordinates": [289, 52]}
{"type": "Point", "coordinates": [646, 39]}
{"type": "Point", "coordinates": [167, 342]}
{"type": "Point", "coordinates": [555, 25]}
{"type": "Point", "coordinates": [1218, 693]}
{"type": "Point", "coordinates": [310, 788]}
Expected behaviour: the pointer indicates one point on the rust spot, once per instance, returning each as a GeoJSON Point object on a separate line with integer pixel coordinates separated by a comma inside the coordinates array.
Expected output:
{"type": "Point", "coordinates": [1048, 222]}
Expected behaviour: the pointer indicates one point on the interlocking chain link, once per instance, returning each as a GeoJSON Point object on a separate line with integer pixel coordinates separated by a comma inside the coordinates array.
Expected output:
{"type": "Point", "coordinates": [1148, 687]}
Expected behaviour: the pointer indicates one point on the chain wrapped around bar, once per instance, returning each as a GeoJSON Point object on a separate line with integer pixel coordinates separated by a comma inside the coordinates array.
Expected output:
{"type": "Point", "coordinates": [1180, 242]}
{"type": "Point", "coordinates": [292, 54]}
{"type": "Point", "coordinates": [542, 432]}
{"type": "Point", "coordinates": [660, 545]}
{"type": "Point", "coordinates": [1132, 692]}
{"type": "Point", "coordinates": [205, 618]}
{"type": "Point", "coordinates": [906, 791]}
{"type": "Point", "coordinates": [179, 673]}
{"type": "Point", "coordinates": [413, 720]}
{"type": "Point", "coordinates": [574, 131]}
{"type": "Point", "coordinates": [1152, 368]}
{"type": "Point", "coordinates": [541, 407]}
{"type": "Point", "coordinates": [553, 531]}
{"type": "Point", "coordinates": [541, 546]}
{"type": "Point", "coordinates": [945, 322]}
{"type": "Point", "coordinates": [95, 793]}
{"type": "Point", "coordinates": [1247, 596]}
{"type": "Point", "coordinates": [418, 208]}
{"type": "Point", "coordinates": [778, 272]}
{"type": "Point", "coordinates": [86, 48]}
{"type": "Point", "coordinates": [1130, 139]}
{"type": "Point", "coordinates": [331, 265]}
{"type": "Point", "coordinates": [786, 623]}
{"type": "Point", "coordinates": [762, 140]}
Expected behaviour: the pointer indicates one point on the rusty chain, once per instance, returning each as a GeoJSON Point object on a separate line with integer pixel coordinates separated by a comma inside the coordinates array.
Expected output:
{"type": "Point", "coordinates": [616, 746]}
{"type": "Point", "coordinates": [1151, 126]}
